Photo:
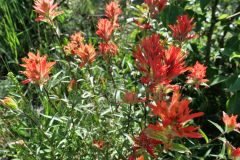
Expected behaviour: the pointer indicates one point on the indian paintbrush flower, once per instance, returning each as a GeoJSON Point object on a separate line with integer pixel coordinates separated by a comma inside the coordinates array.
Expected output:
{"type": "Point", "coordinates": [174, 117]}
{"type": "Point", "coordinates": [181, 31]}
{"type": "Point", "coordinates": [155, 5]}
{"type": "Point", "coordinates": [157, 64]}
{"type": "Point", "coordinates": [46, 10]}
{"type": "Point", "coordinates": [105, 29]}
{"type": "Point", "coordinates": [87, 54]}
{"type": "Point", "coordinates": [233, 152]}
{"type": "Point", "coordinates": [108, 48]}
{"type": "Point", "coordinates": [37, 69]}
{"type": "Point", "coordinates": [197, 75]}
{"type": "Point", "coordinates": [144, 142]}
{"type": "Point", "coordinates": [112, 12]}
{"type": "Point", "coordinates": [230, 122]}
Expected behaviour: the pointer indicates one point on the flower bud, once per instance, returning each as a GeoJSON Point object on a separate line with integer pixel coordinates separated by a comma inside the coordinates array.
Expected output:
{"type": "Point", "coordinates": [71, 85]}
{"type": "Point", "coordinates": [9, 102]}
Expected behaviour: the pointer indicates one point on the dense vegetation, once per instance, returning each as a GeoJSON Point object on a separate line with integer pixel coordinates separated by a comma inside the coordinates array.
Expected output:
{"type": "Point", "coordinates": [91, 79]}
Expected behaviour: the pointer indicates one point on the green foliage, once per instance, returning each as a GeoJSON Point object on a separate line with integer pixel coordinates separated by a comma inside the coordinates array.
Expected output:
{"type": "Point", "coordinates": [55, 123]}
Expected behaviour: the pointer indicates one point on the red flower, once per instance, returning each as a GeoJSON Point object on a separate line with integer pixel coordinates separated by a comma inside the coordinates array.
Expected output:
{"type": "Point", "coordinates": [158, 65]}
{"type": "Point", "coordinates": [37, 68]}
{"type": "Point", "coordinates": [156, 5]}
{"type": "Point", "coordinates": [181, 30]}
{"type": "Point", "coordinates": [148, 58]}
{"type": "Point", "coordinates": [76, 41]}
{"type": "Point", "coordinates": [230, 122]}
{"type": "Point", "coordinates": [144, 142]}
{"type": "Point", "coordinates": [77, 37]}
{"type": "Point", "coordinates": [142, 25]}
{"type": "Point", "coordinates": [197, 75]}
{"type": "Point", "coordinates": [174, 116]}
{"type": "Point", "coordinates": [174, 60]}
{"type": "Point", "coordinates": [236, 152]}
{"type": "Point", "coordinates": [112, 12]}
{"type": "Point", "coordinates": [105, 29]}
{"type": "Point", "coordinates": [131, 98]}
{"type": "Point", "coordinates": [108, 48]}
{"type": "Point", "coordinates": [46, 10]}
{"type": "Point", "coordinates": [99, 144]}
{"type": "Point", "coordinates": [161, 4]}
{"type": "Point", "coordinates": [140, 158]}
{"type": "Point", "coordinates": [233, 152]}
{"type": "Point", "coordinates": [87, 54]}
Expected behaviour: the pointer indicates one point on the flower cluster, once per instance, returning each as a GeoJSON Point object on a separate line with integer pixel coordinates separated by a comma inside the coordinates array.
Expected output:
{"type": "Point", "coordinates": [158, 65]}
{"type": "Point", "coordinates": [197, 75]}
{"type": "Point", "coordinates": [151, 7]}
{"type": "Point", "coordinates": [155, 5]}
{"type": "Point", "coordinates": [76, 46]}
{"type": "Point", "coordinates": [106, 28]}
{"type": "Point", "coordinates": [174, 116]}
{"type": "Point", "coordinates": [37, 69]}
{"type": "Point", "coordinates": [181, 31]}
{"type": "Point", "coordinates": [46, 10]}
{"type": "Point", "coordinates": [146, 143]}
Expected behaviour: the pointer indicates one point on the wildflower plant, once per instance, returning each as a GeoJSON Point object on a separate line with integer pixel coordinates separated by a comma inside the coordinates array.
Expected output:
{"type": "Point", "coordinates": [125, 91]}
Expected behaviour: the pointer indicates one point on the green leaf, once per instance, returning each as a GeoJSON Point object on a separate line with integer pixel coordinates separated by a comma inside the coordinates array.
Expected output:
{"type": "Point", "coordinates": [233, 104]}
{"type": "Point", "coordinates": [157, 135]}
{"type": "Point", "coordinates": [234, 87]}
{"type": "Point", "coordinates": [217, 126]}
{"type": "Point", "coordinates": [234, 55]}
{"type": "Point", "coordinates": [204, 135]}
{"type": "Point", "coordinates": [223, 16]}
{"type": "Point", "coordinates": [180, 148]}
{"type": "Point", "coordinates": [218, 79]}
{"type": "Point", "coordinates": [203, 4]}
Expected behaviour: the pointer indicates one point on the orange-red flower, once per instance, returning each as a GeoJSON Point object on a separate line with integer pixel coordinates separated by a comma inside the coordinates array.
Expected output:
{"type": "Point", "coordinates": [108, 48]}
{"type": "Point", "coordinates": [99, 144]}
{"type": "Point", "coordinates": [174, 116]}
{"type": "Point", "coordinates": [143, 26]}
{"type": "Point", "coordinates": [105, 29]}
{"type": "Point", "coordinates": [233, 152]}
{"type": "Point", "coordinates": [156, 64]}
{"type": "Point", "coordinates": [181, 30]}
{"type": "Point", "coordinates": [144, 142]}
{"type": "Point", "coordinates": [46, 10]}
{"type": "Point", "coordinates": [236, 152]}
{"type": "Point", "coordinates": [76, 40]}
{"type": "Point", "coordinates": [174, 60]}
{"type": "Point", "coordinates": [148, 58]}
{"type": "Point", "coordinates": [140, 158]}
{"type": "Point", "coordinates": [156, 5]}
{"type": "Point", "coordinates": [112, 12]}
{"type": "Point", "coordinates": [87, 54]}
{"type": "Point", "coordinates": [130, 97]}
{"type": "Point", "coordinates": [197, 75]}
{"type": "Point", "coordinates": [37, 68]}
{"type": "Point", "coordinates": [230, 122]}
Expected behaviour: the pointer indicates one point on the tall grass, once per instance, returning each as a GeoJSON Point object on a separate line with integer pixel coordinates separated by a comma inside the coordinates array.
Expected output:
{"type": "Point", "coordinates": [14, 31]}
